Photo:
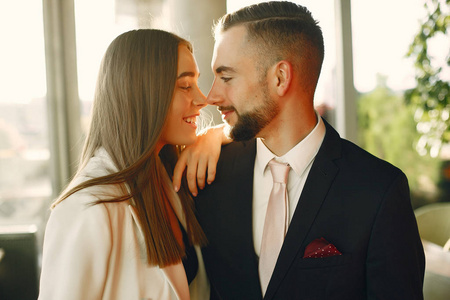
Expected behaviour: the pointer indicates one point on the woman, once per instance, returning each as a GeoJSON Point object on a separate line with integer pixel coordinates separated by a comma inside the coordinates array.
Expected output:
{"type": "Point", "coordinates": [119, 231]}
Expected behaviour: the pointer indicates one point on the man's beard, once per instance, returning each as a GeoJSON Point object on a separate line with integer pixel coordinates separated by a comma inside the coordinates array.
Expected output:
{"type": "Point", "coordinates": [249, 124]}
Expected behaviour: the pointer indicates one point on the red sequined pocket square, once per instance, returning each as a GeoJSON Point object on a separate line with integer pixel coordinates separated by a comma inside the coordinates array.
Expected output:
{"type": "Point", "coordinates": [320, 248]}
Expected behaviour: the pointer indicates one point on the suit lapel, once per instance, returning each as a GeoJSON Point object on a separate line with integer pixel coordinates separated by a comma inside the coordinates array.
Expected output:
{"type": "Point", "coordinates": [235, 181]}
{"type": "Point", "coordinates": [243, 184]}
{"type": "Point", "coordinates": [319, 180]}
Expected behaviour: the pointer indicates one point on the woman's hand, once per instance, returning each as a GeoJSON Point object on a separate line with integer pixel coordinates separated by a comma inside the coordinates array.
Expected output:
{"type": "Point", "coordinates": [200, 159]}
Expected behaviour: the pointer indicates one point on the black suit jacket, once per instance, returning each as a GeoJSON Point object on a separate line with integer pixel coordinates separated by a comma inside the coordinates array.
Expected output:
{"type": "Point", "coordinates": [354, 200]}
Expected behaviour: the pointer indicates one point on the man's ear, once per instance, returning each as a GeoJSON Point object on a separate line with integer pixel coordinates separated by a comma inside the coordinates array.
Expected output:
{"type": "Point", "coordinates": [283, 73]}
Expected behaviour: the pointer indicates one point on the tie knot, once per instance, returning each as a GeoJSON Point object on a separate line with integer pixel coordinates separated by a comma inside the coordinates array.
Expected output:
{"type": "Point", "coordinates": [280, 171]}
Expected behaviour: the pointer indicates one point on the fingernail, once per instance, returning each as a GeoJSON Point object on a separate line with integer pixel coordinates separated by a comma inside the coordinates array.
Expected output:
{"type": "Point", "coordinates": [194, 194]}
{"type": "Point", "coordinates": [176, 188]}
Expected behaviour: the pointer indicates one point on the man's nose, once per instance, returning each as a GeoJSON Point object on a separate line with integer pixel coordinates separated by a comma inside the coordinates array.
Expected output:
{"type": "Point", "coordinates": [213, 97]}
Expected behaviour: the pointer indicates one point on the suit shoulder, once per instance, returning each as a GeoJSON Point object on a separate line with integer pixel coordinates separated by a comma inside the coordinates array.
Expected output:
{"type": "Point", "coordinates": [238, 146]}
{"type": "Point", "coordinates": [234, 149]}
{"type": "Point", "coordinates": [362, 159]}
{"type": "Point", "coordinates": [352, 158]}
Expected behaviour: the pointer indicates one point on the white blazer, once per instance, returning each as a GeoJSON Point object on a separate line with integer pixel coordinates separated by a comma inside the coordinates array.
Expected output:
{"type": "Point", "coordinates": [98, 252]}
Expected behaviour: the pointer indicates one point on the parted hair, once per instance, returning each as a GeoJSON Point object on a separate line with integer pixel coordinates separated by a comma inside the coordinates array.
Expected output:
{"type": "Point", "coordinates": [133, 95]}
{"type": "Point", "coordinates": [280, 30]}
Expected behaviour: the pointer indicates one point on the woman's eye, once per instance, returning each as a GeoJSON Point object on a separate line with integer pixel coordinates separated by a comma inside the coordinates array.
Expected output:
{"type": "Point", "coordinates": [225, 79]}
{"type": "Point", "coordinates": [186, 87]}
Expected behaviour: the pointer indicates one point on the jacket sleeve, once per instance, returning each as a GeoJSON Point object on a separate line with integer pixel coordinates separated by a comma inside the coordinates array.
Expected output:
{"type": "Point", "coordinates": [395, 260]}
{"type": "Point", "coordinates": [76, 251]}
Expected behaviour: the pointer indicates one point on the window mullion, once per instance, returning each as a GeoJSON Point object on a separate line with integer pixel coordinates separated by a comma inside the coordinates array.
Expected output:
{"type": "Point", "coordinates": [346, 115]}
{"type": "Point", "coordinates": [62, 90]}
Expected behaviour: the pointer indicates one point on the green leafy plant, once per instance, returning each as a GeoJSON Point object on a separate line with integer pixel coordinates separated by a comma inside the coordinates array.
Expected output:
{"type": "Point", "coordinates": [387, 129]}
{"type": "Point", "coordinates": [430, 98]}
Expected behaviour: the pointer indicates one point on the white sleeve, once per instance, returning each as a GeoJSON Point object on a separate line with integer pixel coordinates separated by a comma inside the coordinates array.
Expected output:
{"type": "Point", "coordinates": [77, 247]}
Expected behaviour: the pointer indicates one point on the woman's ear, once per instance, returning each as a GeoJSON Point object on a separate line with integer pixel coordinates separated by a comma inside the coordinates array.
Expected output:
{"type": "Point", "coordinates": [283, 73]}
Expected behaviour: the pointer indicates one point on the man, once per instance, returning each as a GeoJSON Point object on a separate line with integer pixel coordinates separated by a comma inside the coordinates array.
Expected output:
{"type": "Point", "coordinates": [350, 230]}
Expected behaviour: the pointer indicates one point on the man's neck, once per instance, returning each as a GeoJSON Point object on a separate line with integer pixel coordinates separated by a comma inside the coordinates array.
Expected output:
{"type": "Point", "coordinates": [286, 133]}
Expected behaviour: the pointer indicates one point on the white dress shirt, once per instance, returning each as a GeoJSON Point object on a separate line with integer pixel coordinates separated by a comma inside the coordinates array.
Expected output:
{"type": "Point", "coordinates": [300, 158]}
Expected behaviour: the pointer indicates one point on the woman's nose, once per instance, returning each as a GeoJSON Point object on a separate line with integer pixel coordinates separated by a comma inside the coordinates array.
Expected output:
{"type": "Point", "coordinates": [200, 99]}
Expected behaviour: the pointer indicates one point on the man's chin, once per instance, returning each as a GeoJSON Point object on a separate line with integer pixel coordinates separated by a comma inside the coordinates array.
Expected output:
{"type": "Point", "coordinates": [241, 134]}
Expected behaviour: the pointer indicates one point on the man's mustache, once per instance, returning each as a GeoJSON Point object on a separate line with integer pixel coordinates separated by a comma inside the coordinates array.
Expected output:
{"type": "Point", "coordinates": [226, 108]}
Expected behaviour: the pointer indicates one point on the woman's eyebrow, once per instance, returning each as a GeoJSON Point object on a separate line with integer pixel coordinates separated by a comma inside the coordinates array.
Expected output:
{"type": "Point", "coordinates": [184, 74]}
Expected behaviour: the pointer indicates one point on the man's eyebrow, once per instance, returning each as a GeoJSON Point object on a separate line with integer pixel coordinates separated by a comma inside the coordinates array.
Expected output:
{"type": "Point", "coordinates": [184, 74]}
{"type": "Point", "coordinates": [225, 69]}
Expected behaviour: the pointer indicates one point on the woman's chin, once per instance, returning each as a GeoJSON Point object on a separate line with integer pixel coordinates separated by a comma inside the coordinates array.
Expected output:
{"type": "Point", "coordinates": [187, 140]}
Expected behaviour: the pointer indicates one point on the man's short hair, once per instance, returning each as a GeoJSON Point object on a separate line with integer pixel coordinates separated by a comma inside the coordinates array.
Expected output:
{"type": "Point", "coordinates": [280, 31]}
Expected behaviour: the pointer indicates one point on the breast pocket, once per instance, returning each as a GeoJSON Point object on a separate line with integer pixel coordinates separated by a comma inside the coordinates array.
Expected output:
{"type": "Point", "coordinates": [326, 262]}
{"type": "Point", "coordinates": [313, 278]}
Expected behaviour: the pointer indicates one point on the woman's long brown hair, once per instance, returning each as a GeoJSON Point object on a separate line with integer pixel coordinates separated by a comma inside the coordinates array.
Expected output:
{"type": "Point", "coordinates": [134, 91]}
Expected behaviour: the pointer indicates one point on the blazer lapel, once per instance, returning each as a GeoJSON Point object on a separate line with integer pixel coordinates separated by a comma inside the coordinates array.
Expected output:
{"type": "Point", "coordinates": [175, 274]}
{"type": "Point", "coordinates": [314, 192]}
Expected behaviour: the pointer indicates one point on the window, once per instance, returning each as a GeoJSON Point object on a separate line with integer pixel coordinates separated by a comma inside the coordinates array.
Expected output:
{"type": "Point", "coordinates": [97, 24]}
{"type": "Point", "coordinates": [25, 183]}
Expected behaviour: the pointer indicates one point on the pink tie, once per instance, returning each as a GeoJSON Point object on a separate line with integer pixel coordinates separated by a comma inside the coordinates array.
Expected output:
{"type": "Point", "coordinates": [276, 223]}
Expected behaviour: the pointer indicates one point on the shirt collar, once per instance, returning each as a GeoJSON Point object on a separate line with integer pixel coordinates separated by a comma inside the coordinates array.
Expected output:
{"type": "Point", "coordinates": [299, 157]}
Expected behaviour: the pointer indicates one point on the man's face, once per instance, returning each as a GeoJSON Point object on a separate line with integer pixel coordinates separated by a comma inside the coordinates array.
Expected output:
{"type": "Point", "coordinates": [240, 89]}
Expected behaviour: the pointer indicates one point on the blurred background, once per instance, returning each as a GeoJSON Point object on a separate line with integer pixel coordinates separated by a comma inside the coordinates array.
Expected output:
{"type": "Point", "coordinates": [384, 85]}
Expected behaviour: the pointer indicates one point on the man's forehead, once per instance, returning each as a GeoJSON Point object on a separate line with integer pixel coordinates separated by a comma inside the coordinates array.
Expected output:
{"type": "Point", "coordinates": [228, 46]}
{"type": "Point", "coordinates": [233, 35]}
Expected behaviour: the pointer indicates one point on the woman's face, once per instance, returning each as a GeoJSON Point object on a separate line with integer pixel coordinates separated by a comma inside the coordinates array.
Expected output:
{"type": "Point", "coordinates": [181, 123]}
